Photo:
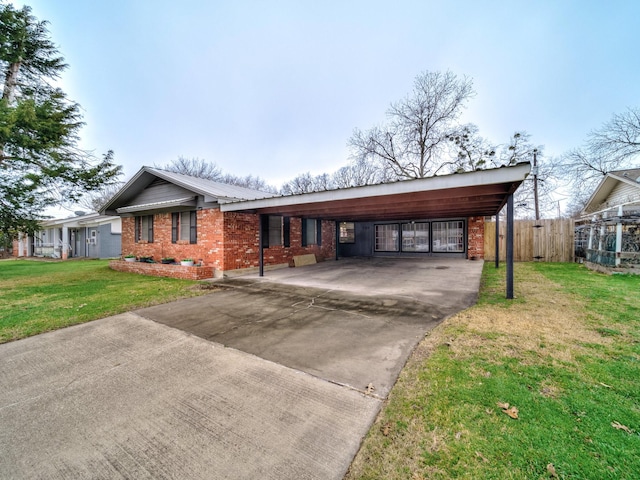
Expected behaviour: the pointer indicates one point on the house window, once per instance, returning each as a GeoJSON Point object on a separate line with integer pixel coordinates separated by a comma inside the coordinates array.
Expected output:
{"type": "Point", "coordinates": [386, 238]}
{"type": "Point", "coordinates": [184, 227]}
{"type": "Point", "coordinates": [415, 237]}
{"type": "Point", "coordinates": [448, 236]}
{"type": "Point", "coordinates": [311, 232]}
{"type": "Point", "coordinates": [275, 230]}
{"type": "Point", "coordinates": [347, 232]}
{"type": "Point", "coordinates": [144, 228]}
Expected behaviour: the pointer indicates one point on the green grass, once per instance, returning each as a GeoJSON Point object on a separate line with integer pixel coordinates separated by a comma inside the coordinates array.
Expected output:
{"type": "Point", "coordinates": [38, 296]}
{"type": "Point", "coordinates": [565, 353]}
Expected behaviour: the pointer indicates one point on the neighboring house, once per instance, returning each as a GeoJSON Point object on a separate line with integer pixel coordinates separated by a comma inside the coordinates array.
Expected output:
{"type": "Point", "coordinates": [610, 222]}
{"type": "Point", "coordinates": [225, 228]}
{"type": "Point", "coordinates": [86, 235]}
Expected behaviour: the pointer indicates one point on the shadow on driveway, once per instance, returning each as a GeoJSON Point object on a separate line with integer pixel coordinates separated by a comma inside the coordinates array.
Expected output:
{"type": "Point", "coordinates": [353, 322]}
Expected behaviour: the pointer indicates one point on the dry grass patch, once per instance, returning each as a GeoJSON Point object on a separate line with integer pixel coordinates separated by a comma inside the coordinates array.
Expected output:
{"type": "Point", "coordinates": [551, 354]}
{"type": "Point", "coordinates": [546, 320]}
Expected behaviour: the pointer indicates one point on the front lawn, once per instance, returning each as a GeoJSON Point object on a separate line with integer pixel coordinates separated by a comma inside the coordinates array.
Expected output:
{"type": "Point", "coordinates": [38, 296]}
{"type": "Point", "coordinates": [544, 386]}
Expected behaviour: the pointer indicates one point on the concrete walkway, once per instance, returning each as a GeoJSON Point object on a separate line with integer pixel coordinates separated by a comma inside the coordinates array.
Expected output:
{"type": "Point", "coordinates": [128, 397]}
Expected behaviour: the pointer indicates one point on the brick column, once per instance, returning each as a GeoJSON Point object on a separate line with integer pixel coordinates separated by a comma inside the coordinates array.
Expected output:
{"type": "Point", "coordinates": [475, 234]}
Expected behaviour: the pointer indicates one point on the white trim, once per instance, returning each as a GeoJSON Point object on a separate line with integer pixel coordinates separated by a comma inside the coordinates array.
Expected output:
{"type": "Point", "coordinates": [613, 207]}
{"type": "Point", "coordinates": [186, 201]}
{"type": "Point", "coordinates": [604, 189]}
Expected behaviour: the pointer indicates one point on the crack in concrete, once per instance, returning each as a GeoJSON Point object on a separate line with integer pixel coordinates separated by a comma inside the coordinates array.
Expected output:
{"type": "Point", "coordinates": [312, 304]}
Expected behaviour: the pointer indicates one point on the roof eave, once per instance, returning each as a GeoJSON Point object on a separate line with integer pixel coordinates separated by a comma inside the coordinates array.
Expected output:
{"type": "Point", "coordinates": [602, 191]}
{"type": "Point", "coordinates": [515, 174]}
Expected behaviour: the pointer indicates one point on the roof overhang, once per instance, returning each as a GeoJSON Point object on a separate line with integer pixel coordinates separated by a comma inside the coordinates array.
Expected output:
{"type": "Point", "coordinates": [150, 207]}
{"type": "Point", "coordinates": [78, 221]}
{"type": "Point", "coordinates": [211, 192]}
{"type": "Point", "coordinates": [603, 190]}
{"type": "Point", "coordinates": [480, 193]}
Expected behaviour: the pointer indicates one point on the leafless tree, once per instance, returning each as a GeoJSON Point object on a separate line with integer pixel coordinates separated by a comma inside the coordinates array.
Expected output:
{"type": "Point", "coordinates": [195, 167]}
{"type": "Point", "coordinates": [518, 149]}
{"type": "Point", "coordinates": [198, 167]}
{"type": "Point", "coordinates": [614, 146]}
{"type": "Point", "coordinates": [248, 181]}
{"type": "Point", "coordinates": [470, 151]}
{"type": "Point", "coordinates": [413, 142]}
{"type": "Point", "coordinates": [582, 171]}
{"type": "Point", "coordinates": [94, 201]}
{"type": "Point", "coordinates": [360, 172]}
{"type": "Point", "coordinates": [618, 139]}
{"type": "Point", "coordinates": [303, 183]}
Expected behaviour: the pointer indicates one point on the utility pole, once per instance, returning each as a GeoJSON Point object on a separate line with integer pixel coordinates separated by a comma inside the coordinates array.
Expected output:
{"type": "Point", "coordinates": [535, 182]}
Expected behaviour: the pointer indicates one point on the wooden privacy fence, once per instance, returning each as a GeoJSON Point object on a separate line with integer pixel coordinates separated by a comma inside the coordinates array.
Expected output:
{"type": "Point", "coordinates": [539, 241]}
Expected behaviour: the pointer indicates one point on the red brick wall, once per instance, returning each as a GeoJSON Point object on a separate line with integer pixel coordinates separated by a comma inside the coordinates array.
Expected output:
{"type": "Point", "coordinates": [241, 242]}
{"type": "Point", "coordinates": [241, 248]}
{"type": "Point", "coordinates": [226, 241]}
{"type": "Point", "coordinates": [160, 270]}
{"type": "Point", "coordinates": [475, 248]}
{"type": "Point", "coordinates": [208, 249]}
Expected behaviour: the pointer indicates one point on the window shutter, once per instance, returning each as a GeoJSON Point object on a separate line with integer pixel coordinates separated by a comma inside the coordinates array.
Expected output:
{"type": "Point", "coordinates": [138, 228]}
{"type": "Point", "coordinates": [304, 232]}
{"type": "Point", "coordinates": [150, 229]}
{"type": "Point", "coordinates": [264, 229]}
{"type": "Point", "coordinates": [319, 232]}
{"type": "Point", "coordinates": [193, 227]}
{"type": "Point", "coordinates": [174, 227]}
{"type": "Point", "coordinates": [287, 232]}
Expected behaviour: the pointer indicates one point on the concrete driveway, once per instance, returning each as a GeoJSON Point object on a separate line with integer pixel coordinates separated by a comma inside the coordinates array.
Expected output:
{"type": "Point", "coordinates": [158, 393]}
{"type": "Point", "coordinates": [353, 322]}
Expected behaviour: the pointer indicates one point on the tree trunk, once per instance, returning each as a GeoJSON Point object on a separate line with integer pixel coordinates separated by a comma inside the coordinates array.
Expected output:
{"type": "Point", "coordinates": [11, 82]}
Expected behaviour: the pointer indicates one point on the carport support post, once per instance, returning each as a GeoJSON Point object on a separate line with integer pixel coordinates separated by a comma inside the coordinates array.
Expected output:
{"type": "Point", "coordinates": [498, 240]}
{"type": "Point", "coordinates": [261, 248]}
{"type": "Point", "coordinates": [510, 247]}
{"type": "Point", "coordinates": [337, 237]}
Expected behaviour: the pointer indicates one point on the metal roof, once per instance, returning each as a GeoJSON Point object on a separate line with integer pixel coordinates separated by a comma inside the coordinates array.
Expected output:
{"type": "Point", "coordinates": [212, 192]}
{"type": "Point", "coordinates": [92, 218]}
{"type": "Point", "coordinates": [480, 193]}
{"type": "Point", "coordinates": [209, 187]}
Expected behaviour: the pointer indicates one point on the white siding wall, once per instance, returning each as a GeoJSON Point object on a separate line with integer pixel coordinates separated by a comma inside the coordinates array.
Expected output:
{"type": "Point", "coordinates": [623, 193]}
{"type": "Point", "coordinates": [161, 193]}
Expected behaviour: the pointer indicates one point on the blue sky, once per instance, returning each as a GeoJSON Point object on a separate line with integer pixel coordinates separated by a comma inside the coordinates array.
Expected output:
{"type": "Point", "coordinates": [276, 88]}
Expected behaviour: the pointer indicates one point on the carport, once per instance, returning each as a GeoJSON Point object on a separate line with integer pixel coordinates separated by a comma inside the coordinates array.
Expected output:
{"type": "Point", "coordinates": [471, 194]}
